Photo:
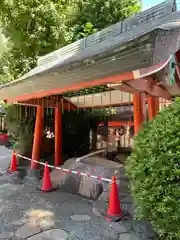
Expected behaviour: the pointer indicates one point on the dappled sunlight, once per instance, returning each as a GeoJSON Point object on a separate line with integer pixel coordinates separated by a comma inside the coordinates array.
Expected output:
{"type": "Point", "coordinates": [40, 217]}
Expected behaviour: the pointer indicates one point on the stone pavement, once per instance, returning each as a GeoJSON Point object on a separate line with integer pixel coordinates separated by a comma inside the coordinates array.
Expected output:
{"type": "Point", "coordinates": [26, 213]}
{"type": "Point", "coordinates": [5, 156]}
{"type": "Point", "coordinates": [29, 214]}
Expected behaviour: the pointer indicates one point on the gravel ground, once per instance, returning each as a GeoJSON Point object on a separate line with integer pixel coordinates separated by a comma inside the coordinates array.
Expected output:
{"type": "Point", "coordinates": [5, 156]}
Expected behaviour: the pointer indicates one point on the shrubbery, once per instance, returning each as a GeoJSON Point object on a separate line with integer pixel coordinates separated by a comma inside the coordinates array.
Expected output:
{"type": "Point", "coordinates": [154, 172]}
{"type": "Point", "coordinates": [20, 123]}
{"type": "Point", "coordinates": [20, 126]}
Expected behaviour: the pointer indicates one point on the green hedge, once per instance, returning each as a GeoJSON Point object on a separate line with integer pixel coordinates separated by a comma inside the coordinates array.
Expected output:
{"type": "Point", "coordinates": [20, 127]}
{"type": "Point", "coordinates": [154, 172]}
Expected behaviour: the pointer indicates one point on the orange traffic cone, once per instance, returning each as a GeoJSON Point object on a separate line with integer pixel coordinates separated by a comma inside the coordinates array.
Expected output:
{"type": "Point", "coordinates": [114, 211]}
{"type": "Point", "coordinates": [47, 184]}
{"type": "Point", "coordinates": [13, 166]}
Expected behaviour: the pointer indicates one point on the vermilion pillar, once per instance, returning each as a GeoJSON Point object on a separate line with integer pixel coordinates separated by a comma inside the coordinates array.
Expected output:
{"type": "Point", "coordinates": [156, 105]}
{"type": "Point", "coordinates": [143, 107]}
{"type": "Point", "coordinates": [58, 136]}
{"type": "Point", "coordinates": [38, 132]}
{"type": "Point", "coordinates": [138, 115]}
{"type": "Point", "coordinates": [151, 107]}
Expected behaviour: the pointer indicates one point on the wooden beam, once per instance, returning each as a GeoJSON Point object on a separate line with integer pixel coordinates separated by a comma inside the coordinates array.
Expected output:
{"type": "Point", "coordinates": [141, 84]}
{"type": "Point", "coordinates": [147, 85]}
{"type": "Point", "coordinates": [107, 105]}
{"type": "Point", "coordinates": [117, 123]}
{"type": "Point", "coordinates": [160, 92]}
{"type": "Point", "coordinates": [124, 87]}
{"type": "Point", "coordinates": [87, 84]}
{"type": "Point", "coordinates": [50, 102]}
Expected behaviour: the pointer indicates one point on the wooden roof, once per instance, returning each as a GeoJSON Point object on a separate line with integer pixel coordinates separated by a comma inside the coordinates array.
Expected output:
{"type": "Point", "coordinates": [120, 52]}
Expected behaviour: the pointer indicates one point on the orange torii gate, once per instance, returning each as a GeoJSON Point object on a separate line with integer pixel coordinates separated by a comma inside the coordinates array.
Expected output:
{"type": "Point", "coordinates": [126, 58]}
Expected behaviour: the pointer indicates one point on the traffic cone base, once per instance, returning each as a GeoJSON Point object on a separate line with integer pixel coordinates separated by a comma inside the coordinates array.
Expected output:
{"type": "Point", "coordinates": [47, 191]}
{"type": "Point", "coordinates": [114, 211]}
{"type": "Point", "coordinates": [13, 166]}
{"type": "Point", "coordinates": [118, 218]}
{"type": "Point", "coordinates": [47, 184]}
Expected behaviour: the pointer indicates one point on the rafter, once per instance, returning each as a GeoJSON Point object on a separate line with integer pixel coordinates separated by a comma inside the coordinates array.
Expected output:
{"type": "Point", "coordinates": [122, 86]}
{"type": "Point", "coordinates": [147, 85]}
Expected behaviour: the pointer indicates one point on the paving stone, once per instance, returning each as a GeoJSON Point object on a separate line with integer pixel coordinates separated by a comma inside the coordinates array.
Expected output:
{"type": "Point", "coordinates": [20, 222]}
{"type": "Point", "coordinates": [127, 199]}
{"type": "Point", "coordinates": [128, 208]}
{"type": "Point", "coordinates": [6, 235]}
{"type": "Point", "coordinates": [53, 234]}
{"type": "Point", "coordinates": [96, 212]}
{"type": "Point", "coordinates": [128, 236]}
{"type": "Point", "coordinates": [14, 226]}
{"type": "Point", "coordinates": [128, 224]}
{"type": "Point", "coordinates": [119, 227]}
{"type": "Point", "coordinates": [80, 217]}
{"type": "Point", "coordinates": [75, 238]}
{"type": "Point", "coordinates": [143, 229]}
{"type": "Point", "coordinates": [27, 230]}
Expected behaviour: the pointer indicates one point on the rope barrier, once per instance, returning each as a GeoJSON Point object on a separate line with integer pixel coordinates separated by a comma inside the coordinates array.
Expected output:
{"type": "Point", "coordinates": [100, 178]}
{"type": "Point", "coordinates": [90, 155]}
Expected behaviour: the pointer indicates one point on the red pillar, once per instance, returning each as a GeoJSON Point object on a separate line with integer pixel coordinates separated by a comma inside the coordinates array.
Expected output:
{"type": "Point", "coordinates": [138, 116]}
{"type": "Point", "coordinates": [151, 107]}
{"type": "Point", "coordinates": [156, 105]}
{"type": "Point", "coordinates": [143, 107]}
{"type": "Point", "coordinates": [38, 132]}
{"type": "Point", "coordinates": [58, 136]}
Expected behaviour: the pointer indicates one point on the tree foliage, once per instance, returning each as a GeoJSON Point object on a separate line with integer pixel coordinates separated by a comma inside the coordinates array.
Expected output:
{"type": "Point", "coordinates": [3, 46]}
{"type": "Point", "coordinates": [94, 15]}
{"type": "Point", "coordinates": [154, 171]}
{"type": "Point", "coordinates": [36, 27]}
{"type": "Point", "coordinates": [33, 28]}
